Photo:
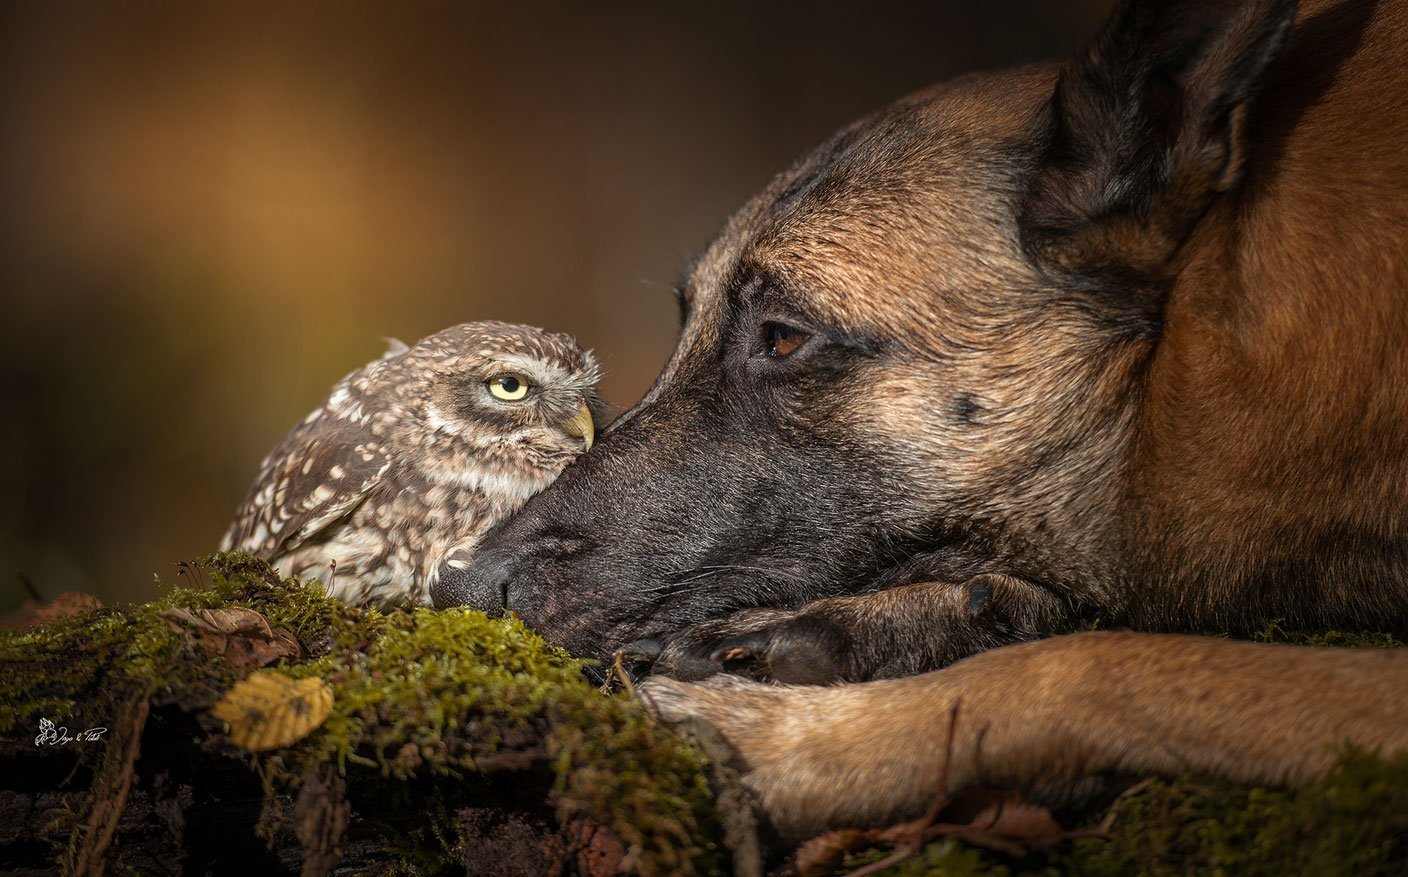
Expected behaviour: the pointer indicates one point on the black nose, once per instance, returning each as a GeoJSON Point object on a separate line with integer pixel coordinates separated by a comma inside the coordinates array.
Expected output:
{"type": "Point", "coordinates": [478, 585]}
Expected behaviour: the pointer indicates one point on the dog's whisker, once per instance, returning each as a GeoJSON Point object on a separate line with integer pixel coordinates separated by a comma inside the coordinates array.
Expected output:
{"type": "Point", "coordinates": [669, 588]}
{"type": "Point", "coordinates": [762, 570]}
{"type": "Point", "coordinates": [766, 586]}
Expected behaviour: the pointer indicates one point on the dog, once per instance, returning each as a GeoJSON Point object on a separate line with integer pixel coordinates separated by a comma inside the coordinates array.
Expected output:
{"type": "Point", "coordinates": [1118, 342]}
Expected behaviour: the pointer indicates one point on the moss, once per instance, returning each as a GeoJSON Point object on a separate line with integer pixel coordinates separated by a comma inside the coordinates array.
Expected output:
{"type": "Point", "coordinates": [417, 695]}
{"type": "Point", "coordinates": [80, 666]}
{"type": "Point", "coordinates": [433, 708]}
{"type": "Point", "coordinates": [1277, 632]}
{"type": "Point", "coordinates": [950, 858]}
{"type": "Point", "coordinates": [1354, 821]}
{"type": "Point", "coordinates": [447, 692]}
{"type": "Point", "coordinates": [610, 762]}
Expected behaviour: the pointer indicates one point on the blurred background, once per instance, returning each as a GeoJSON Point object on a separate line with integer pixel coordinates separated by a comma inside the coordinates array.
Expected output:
{"type": "Point", "coordinates": [212, 211]}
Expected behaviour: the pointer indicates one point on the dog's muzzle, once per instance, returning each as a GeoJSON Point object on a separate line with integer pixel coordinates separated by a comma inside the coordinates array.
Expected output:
{"type": "Point", "coordinates": [482, 586]}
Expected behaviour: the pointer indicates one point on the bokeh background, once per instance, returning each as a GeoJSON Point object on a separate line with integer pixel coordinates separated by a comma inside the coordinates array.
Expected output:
{"type": "Point", "coordinates": [212, 211]}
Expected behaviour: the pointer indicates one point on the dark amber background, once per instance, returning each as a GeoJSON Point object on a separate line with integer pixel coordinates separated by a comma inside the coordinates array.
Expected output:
{"type": "Point", "coordinates": [212, 211]}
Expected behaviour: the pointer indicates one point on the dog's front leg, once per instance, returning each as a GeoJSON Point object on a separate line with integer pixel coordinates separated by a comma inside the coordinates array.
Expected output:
{"type": "Point", "coordinates": [900, 631]}
{"type": "Point", "coordinates": [1044, 718]}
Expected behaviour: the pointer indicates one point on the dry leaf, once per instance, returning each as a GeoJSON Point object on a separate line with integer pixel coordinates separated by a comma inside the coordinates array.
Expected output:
{"type": "Point", "coordinates": [242, 636]}
{"type": "Point", "coordinates": [64, 605]}
{"type": "Point", "coordinates": [1019, 821]}
{"type": "Point", "coordinates": [823, 854]}
{"type": "Point", "coordinates": [996, 820]}
{"type": "Point", "coordinates": [269, 710]}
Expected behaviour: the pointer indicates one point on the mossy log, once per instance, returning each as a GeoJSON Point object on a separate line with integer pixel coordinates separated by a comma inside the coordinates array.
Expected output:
{"type": "Point", "coordinates": [457, 743]}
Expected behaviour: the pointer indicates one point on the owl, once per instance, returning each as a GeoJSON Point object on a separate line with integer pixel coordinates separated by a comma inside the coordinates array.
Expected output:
{"type": "Point", "coordinates": [415, 455]}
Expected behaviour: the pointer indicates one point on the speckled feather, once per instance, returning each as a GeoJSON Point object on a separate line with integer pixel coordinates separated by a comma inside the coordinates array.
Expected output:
{"type": "Point", "coordinates": [410, 458]}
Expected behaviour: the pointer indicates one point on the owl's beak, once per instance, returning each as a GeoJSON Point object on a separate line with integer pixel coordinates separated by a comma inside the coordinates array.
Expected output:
{"type": "Point", "coordinates": [581, 425]}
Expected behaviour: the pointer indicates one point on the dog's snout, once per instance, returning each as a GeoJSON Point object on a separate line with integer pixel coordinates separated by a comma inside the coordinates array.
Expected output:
{"type": "Point", "coordinates": [481, 584]}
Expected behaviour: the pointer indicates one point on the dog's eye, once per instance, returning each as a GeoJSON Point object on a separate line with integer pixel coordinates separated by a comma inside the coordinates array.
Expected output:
{"type": "Point", "coordinates": [781, 340]}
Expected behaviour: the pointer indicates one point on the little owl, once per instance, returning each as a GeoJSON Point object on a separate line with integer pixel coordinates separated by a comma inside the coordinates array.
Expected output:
{"type": "Point", "coordinates": [412, 457]}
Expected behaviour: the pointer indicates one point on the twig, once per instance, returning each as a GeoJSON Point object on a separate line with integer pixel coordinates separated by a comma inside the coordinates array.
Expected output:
{"type": "Point", "coordinates": [617, 670]}
{"type": "Point", "coordinates": [195, 575]}
{"type": "Point", "coordinates": [28, 584]}
{"type": "Point", "coordinates": [920, 830]}
{"type": "Point", "coordinates": [111, 785]}
{"type": "Point", "coordinates": [1108, 823]}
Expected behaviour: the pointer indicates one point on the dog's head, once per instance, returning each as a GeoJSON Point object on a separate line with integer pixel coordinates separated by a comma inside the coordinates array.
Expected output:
{"type": "Point", "coordinates": [910, 358]}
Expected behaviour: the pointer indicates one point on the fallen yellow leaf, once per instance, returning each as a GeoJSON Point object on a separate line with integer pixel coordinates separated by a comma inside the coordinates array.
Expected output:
{"type": "Point", "coordinates": [269, 709]}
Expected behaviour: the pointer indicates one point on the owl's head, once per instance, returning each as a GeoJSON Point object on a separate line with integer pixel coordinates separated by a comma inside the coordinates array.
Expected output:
{"type": "Point", "coordinates": [505, 389]}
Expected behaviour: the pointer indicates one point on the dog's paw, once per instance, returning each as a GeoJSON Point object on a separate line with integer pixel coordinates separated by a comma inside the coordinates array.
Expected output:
{"type": "Point", "coordinates": [765, 645]}
{"type": "Point", "coordinates": [798, 651]}
{"type": "Point", "coordinates": [739, 718]}
{"type": "Point", "coordinates": [812, 757]}
{"type": "Point", "coordinates": [719, 701]}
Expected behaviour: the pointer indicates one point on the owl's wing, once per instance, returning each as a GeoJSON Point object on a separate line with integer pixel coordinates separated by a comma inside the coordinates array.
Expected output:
{"type": "Point", "coordinates": [317, 476]}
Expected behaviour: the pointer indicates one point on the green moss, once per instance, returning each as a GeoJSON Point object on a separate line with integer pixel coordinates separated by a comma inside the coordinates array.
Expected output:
{"type": "Point", "coordinates": [950, 858]}
{"type": "Point", "coordinates": [417, 695]}
{"type": "Point", "coordinates": [1354, 821]}
{"type": "Point", "coordinates": [1277, 632]}
{"type": "Point", "coordinates": [446, 692]}
{"type": "Point", "coordinates": [81, 666]}
{"type": "Point", "coordinates": [611, 762]}
{"type": "Point", "coordinates": [426, 704]}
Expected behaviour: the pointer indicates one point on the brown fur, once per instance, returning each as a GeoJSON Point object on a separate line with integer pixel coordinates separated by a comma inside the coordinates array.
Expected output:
{"type": "Point", "coordinates": [1122, 339]}
{"type": "Point", "coordinates": [1043, 716]}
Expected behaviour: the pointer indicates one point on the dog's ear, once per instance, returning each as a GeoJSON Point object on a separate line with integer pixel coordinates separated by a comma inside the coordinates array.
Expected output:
{"type": "Point", "coordinates": [1144, 130]}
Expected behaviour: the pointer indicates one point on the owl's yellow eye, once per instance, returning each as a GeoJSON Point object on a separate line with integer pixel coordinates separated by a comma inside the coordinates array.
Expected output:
{"type": "Point", "coordinates": [509, 387]}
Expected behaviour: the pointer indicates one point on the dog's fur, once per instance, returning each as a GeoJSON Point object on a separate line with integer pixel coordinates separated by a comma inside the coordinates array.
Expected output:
{"type": "Point", "coordinates": [1120, 340]}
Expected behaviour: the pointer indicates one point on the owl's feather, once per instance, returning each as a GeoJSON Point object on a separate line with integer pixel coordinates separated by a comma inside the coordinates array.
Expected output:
{"type": "Point", "coordinates": [316, 477]}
